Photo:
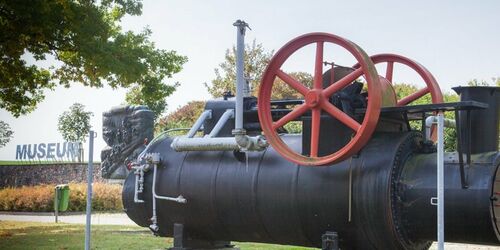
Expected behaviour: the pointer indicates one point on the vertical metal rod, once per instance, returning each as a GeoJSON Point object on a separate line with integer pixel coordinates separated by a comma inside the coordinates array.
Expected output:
{"type": "Point", "coordinates": [468, 131]}
{"type": "Point", "coordinates": [56, 204]}
{"type": "Point", "coordinates": [154, 219]}
{"type": "Point", "coordinates": [240, 79]}
{"type": "Point", "coordinates": [440, 180]}
{"type": "Point", "coordinates": [458, 130]}
{"type": "Point", "coordinates": [350, 191]}
{"type": "Point", "coordinates": [90, 177]}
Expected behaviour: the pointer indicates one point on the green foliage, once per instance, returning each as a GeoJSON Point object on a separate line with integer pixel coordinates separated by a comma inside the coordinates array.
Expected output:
{"type": "Point", "coordinates": [74, 124]}
{"type": "Point", "coordinates": [293, 127]}
{"type": "Point", "coordinates": [152, 95]}
{"type": "Point", "coordinates": [6, 133]}
{"type": "Point", "coordinates": [282, 90]}
{"type": "Point", "coordinates": [475, 82]}
{"type": "Point", "coordinates": [256, 59]}
{"type": "Point", "coordinates": [403, 89]}
{"type": "Point", "coordinates": [183, 117]}
{"type": "Point", "coordinates": [85, 38]}
{"type": "Point", "coordinates": [495, 81]}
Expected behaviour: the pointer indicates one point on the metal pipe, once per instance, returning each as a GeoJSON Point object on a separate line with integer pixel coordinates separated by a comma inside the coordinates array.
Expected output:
{"type": "Point", "coordinates": [178, 199]}
{"type": "Point", "coordinates": [239, 142]}
{"type": "Point", "coordinates": [429, 121]}
{"type": "Point", "coordinates": [221, 122]}
{"type": "Point", "coordinates": [207, 114]}
{"type": "Point", "coordinates": [136, 192]}
{"type": "Point", "coordinates": [204, 144]}
{"type": "Point", "coordinates": [139, 183]}
{"type": "Point", "coordinates": [240, 79]}
{"type": "Point", "coordinates": [440, 180]}
{"type": "Point", "coordinates": [154, 158]}
{"type": "Point", "coordinates": [90, 176]}
{"type": "Point", "coordinates": [251, 143]}
{"type": "Point", "coordinates": [154, 218]}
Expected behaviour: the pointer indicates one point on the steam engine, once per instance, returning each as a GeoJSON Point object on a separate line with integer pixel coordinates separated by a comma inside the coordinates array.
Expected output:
{"type": "Point", "coordinates": [357, 177]}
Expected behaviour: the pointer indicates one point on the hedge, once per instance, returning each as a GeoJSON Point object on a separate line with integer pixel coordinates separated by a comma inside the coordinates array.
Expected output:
{"type": "Point", "coordinates": [106, 197]}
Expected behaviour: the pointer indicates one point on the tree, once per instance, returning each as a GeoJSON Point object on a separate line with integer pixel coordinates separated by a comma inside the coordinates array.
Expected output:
{"type": "Point", "coordinates": [475, 82]}
{"type": "Point", "coordinates": [183, 117]}
{"type": "Point", "coordinates": [256, 59]}
{"type": "Point", "coordinates": [495, 81]}
{"type": "Point", "coordinates": [5, 133]}
{"type": "Point", "coordinates": [450, 135]}
{"type": "Point", "coordinates": [282, 90]}
{"type": "Point", "coordinates": [86, 39]}
{"type": "Point", "coordinates": [74, 124]}
{"type": "Point", "coordinates": [152, 95]}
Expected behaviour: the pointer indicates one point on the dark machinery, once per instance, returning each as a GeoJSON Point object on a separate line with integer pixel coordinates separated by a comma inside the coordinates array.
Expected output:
{"type": "Point", "coordinates": [358, 177]}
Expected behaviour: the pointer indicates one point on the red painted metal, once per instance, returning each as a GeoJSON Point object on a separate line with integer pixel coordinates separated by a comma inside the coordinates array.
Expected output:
{"type": "Point", "coordinates": [389, 71]}
{"type": "Point", "coordinates": [412, 97]}
{"type": "Point", "coordinates": [318, 68]}
{"type": "Point", "coordinates": [316, 100]}
{"type": "Point", "coordinates": [430, 81]}
{"type": "Point", "coordinates": [388, 93]}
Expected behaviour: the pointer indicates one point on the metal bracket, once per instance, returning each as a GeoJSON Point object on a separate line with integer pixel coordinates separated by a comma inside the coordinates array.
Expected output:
{"type": "Point", "coordinates": [330, 241]}
{"type": "Point", "coordinates": [434, 201]}
{"type": "Point", "coordinates": [183, 241]}
{"type": "Point", "coordinates": [463, 174]}
{"type": "Point", "coordinates": [242, 26]}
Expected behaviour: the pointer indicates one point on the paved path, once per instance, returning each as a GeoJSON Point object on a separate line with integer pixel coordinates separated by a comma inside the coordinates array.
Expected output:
{"type": "Point", "coordinates": [122, 219]}
{"type": "Point", "coordinates": [97, 218]}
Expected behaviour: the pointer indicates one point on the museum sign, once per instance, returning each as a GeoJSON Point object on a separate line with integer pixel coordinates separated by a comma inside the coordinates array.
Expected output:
{"type": "Point", "coordinates": [48, 151]}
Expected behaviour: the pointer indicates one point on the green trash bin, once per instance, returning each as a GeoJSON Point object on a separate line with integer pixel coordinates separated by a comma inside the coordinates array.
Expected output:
{"type": "Point", "coordinates": [62, 198]}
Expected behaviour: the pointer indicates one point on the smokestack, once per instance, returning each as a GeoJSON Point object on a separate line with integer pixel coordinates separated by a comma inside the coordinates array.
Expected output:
{"type": "Point", "coordinates": [484, 122]}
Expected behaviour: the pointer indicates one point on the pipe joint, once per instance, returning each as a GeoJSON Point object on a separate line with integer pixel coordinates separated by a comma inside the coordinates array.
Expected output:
{"type": "Point", "coordinates": [249, 143]}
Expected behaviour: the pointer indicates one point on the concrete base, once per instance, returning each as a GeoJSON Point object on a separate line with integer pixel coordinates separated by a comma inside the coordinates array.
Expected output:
{"type": "Point", "coordinates": [183, 248]}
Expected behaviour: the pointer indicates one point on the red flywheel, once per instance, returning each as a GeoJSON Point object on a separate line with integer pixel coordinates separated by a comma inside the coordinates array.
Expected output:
{"type": "Point", "coordinates": [432, 86]}
{"type": "Point", "coordinates": [317, 100]}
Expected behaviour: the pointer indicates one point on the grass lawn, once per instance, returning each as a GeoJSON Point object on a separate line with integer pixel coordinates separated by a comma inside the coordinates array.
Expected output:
{"type": "Point", "coordinates": [35, 235]}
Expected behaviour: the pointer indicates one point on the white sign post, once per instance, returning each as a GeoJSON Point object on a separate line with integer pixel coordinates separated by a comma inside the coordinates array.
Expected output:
{"type": "Point", "coordinates": [90, 177]}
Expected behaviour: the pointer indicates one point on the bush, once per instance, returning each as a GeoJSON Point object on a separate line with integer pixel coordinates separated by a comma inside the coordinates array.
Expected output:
{"type": "Point", "coordinates": [106, 197]}
{"type": "Point", "coordinates": [183, 117]}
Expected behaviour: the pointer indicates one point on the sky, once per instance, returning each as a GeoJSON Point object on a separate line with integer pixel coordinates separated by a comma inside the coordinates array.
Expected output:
{"type": "Point", "coordinates": [456, 40]}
